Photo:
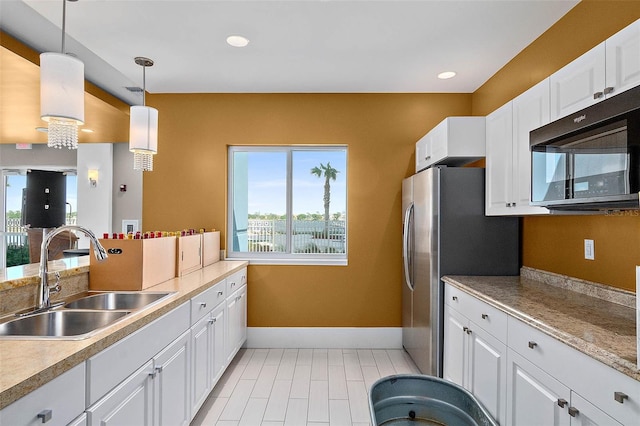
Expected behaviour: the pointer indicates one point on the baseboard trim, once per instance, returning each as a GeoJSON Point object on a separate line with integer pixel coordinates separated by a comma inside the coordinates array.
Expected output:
{"type": "Point", "coordinates": [325, 337]}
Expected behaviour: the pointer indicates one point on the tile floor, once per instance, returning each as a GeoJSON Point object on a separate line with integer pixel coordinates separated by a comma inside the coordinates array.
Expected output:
{"type": "Point", "coordinates": [300, 387]}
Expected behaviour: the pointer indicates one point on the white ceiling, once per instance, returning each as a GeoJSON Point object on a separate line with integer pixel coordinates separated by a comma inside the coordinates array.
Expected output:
{"type": "Point", "coordinates": [307, 46]}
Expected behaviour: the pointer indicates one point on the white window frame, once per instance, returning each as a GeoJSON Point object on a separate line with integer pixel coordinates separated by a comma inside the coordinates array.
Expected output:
{"type": "Point", "coordinates": [271, 258]}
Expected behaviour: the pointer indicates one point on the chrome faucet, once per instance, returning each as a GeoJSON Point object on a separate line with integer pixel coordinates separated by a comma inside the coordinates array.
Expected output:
{"type": "Point", "coordinates": [43, 288]}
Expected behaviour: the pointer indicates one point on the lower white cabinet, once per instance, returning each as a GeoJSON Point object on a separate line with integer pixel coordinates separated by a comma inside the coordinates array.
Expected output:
{"type": "Point", "coordinates": [81, 420]}
{"type": "Point", "coordinates": [156, 394]}
{"type": "Point", "coordinates": [236, 322]}
{"type": "Point", "coordinates": [475, 360]}
{"type": "Point", "coordinates": [55, 403]}
{"type": "Point", "coordinates": [533, 379]}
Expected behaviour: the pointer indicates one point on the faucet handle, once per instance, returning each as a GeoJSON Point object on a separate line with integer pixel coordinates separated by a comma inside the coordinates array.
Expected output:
{"type": "Point", "coordinates": [57, 287]}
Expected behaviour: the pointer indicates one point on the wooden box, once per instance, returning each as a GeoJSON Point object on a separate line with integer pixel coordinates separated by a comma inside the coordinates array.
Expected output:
{"type": "Point", "coordinates": [134, 264]}
{"type": "Point", "coordinates": [210, 248]}
{"type": "Point", "coordinates": [188, 254]}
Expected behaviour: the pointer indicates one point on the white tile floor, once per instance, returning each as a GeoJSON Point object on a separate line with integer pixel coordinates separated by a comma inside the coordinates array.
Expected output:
{"type": "Point", "coordinates": [300, 387]}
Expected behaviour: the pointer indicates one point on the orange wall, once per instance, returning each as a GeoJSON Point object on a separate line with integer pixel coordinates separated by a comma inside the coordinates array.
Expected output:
{"type": "Point", "coordinates": [555, 243]}
{"type": "Point", "coordinates": [188, 189]}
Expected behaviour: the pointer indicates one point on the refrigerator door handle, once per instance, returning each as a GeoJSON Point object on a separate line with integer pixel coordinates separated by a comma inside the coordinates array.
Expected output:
{"type": "Point", "coordinates": [406, 250]}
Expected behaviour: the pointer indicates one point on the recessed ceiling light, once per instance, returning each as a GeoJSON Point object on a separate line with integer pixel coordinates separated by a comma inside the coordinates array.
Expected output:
{"type": "Point", "coordinates": [86, 130]}
{"type": "Point", "coordinates": [237, 41]}
{"type": "Point", "coordinates": [446, 75]}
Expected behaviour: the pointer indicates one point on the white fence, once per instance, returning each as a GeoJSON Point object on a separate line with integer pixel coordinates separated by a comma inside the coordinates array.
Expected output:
{"type": "Point", "coordinates": [15, 234]}
{"type": "Point", "coordinates": [308, 236]}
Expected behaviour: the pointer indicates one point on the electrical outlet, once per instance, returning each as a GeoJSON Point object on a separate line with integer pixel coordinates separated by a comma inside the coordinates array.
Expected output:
{"type": "Point", "coordinates": [589, 250]}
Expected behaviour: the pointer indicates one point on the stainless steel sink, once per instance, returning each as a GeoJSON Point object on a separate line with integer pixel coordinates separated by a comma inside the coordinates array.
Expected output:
{"type": "Point", "coordinates": [60, 324]}
{"type": "Point", "coordinates": [117, 301]}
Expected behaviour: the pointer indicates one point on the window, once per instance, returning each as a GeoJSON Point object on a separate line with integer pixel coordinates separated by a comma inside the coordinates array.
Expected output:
{"type": "Point", "coordinates": [288, 204]}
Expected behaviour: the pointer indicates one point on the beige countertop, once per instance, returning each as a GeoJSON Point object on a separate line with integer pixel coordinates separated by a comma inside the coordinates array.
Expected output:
{"type": "Point", "coordinates": [597, 327]}
{"type": "Point", "coordinates": [28, 364]}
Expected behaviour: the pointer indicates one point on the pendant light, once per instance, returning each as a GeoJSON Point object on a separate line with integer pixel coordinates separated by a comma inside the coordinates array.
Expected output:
{"type": "Point", "coordinates": [143, 127]}
{"type": "Point", "coordinates": [62, 94]}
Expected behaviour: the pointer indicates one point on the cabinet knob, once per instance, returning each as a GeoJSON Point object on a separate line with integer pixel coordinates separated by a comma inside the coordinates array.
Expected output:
{"type": "Point", "coordinates": [455, 298]}
{"type": "Point", "coordinates": [573, 411]}
{"type": "Point", "coordinates": [598, 95]}
{"type": "Point", "coordinates": [485, 316]}
{"type": "Point", "coordinates": [45, 415]}
{"type": "Point", "coordinates": [608, 90]}
{"type": "Point", "coordinates": [220, 293]}
{"type": "Point", "coordinates": [532, 344]}
{"type": "Point", "coordinates": [562, 402]}
{"type": "Point", "coordinates": [620, 397]}
{"type": "Point", "coordinates": [203, 304]}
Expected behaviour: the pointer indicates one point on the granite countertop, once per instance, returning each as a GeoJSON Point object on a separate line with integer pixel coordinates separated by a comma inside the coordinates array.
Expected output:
{"type": "Point", "coordinates": [597, 327]}
{"type": "Point", "coordinates": [18, 276]}
{"type": "Point", "coordinates": [28, 364]}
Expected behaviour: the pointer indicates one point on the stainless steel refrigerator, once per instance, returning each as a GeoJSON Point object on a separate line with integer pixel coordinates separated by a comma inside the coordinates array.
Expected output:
{"type": "Point", "coordinates": [445, 232]}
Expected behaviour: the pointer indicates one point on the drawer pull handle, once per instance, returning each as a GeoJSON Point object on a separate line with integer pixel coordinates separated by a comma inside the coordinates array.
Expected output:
{"type": "Point", "coordinates": [455, 298]}
{"type": "Point", "coordinates": [220, 293]}
{"type": "Point", "coordinates": [464, 329]}
{"type": "Point", "coordinates": [573, 411]}
{"type": "Point", "coordinates": [45, 415]}
{"type": "Point", "coordinates": [620, 397]}
{"type": "Point", "coordinates": [233, 284]}
{"type": "Point", "coordinates": [485, 316]}
{"type": "Point", "coordinates": [532, 345]}
{"type": "Point", "coordinates": [608, 90]}
{"type": "Point", "coordinates": [468, 330]}
{"type": "Point", "coordinates": [203, 304]}
{"type": "Point", "coordinates": [562, 402]}
{"type": "Point", "coordinates": [598, 95]}
{"type": "Point", "coordinates": [212, 320]}
{"type": "Point", "coordinates": [159, 369]}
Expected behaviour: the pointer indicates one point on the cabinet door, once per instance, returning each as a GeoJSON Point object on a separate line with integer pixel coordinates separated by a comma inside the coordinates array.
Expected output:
{"type": "Point", "coordinates": [130, 403]}
{"type": "Point", "coordinates": [455, 346]}
{"type": "Point", "coordinates": [172, 383]}
{"type": "Point", "coordinates": [585, 413]}
{"type": "Point", "coordinates": [219, 354]}
{"type": "Point", "coordinates": [533, 397]}
{"type": "Point", "coordinates": [579, 84]}
{"type": "Point", "coordinates": [488, 371]}
{"type": "Point", "coordinates": [79, 421]}
{"type": "Point", "coordinates": [423, 152]}
{"type": "Point", "coordinates": [242, 317]}
{"type": "Point", "coordinates": [530, 111]}
{"type": "Point", "coordinates": [623, 60]}
{"type": "Point", "coordinates": [200, 363]}
{"type": "Point", "coordinates": [499, 171]}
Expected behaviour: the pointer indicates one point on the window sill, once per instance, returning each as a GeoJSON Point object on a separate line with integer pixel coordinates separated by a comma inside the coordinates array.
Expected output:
{"type": "Point", "coordinates": [293, 262]}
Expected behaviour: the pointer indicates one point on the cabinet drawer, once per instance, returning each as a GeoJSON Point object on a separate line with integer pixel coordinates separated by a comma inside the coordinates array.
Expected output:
{"type": "Point", "coordinates": [204, 302]}
{"type": "Point", "coordinates": [492, 320]}
{"type": "Point", "coordinates": [236, 280]}
{"type": "Point", "coordinates": [63, 397]}
{"type": "Point", "coordinates": [569, 366]}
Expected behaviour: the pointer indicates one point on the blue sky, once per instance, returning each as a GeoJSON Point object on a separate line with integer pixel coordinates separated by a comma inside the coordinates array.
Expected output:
{"type": "Point", "coordinates": [267, 178]}
{"type": "Point", "coordinates": [17, 182]}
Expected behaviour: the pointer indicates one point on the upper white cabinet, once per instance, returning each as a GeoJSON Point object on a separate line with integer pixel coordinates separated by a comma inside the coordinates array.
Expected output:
{"type": "Point", "coordinates": [606, 70]}
{"type": "Point", "coordinates": [508, 160]}
{"type": "Point", "coordinates": [454, 141]}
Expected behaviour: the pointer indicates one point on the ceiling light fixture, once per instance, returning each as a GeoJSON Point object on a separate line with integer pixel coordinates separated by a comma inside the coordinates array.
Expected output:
{"type": "Point", "coordinates": [237, 41]}
{"type": "Point", "coordinates": [62, 94]}
{"type": "Point", "coordinates": [446, 75]}
{"type": "Point", "coordinates": [143, 127]}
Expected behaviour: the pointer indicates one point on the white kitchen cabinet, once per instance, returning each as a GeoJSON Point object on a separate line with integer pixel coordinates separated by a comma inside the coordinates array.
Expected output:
{"type": "Point", "coordinates": [606, 70]}
{"type": "Point", "coordinates": [454, 141]}
{"type": "Point", "coordinates": [534, 397]}
{"type": "Point", "coordinates": [473, 357]}
{"type": "Point", "coordinates": [57, 402]}
{"type": "Point", "coordinates": [236, 316]}
{"type": "Point", "coordinates": [588, 414]}
{"type": "Point", "coordinates": [172, 383]}
{"type": "Point", "coordinates": [81, 420]}
{"type": "Point", "coordinates": [130, 403]}
{"type": "Point", "coordinates": [156, 394]}
{"type": "Point", "coordinates": [508, 160]}
{"type": "Point", "coordinates": [208, 360]}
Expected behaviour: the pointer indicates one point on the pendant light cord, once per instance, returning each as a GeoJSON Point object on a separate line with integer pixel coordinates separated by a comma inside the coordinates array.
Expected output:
{"type": "Point", "coordinates": [64, 24]}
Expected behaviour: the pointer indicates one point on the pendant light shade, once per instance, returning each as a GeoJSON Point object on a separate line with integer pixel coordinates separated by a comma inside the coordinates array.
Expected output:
{"type": "Point", "coordinates": [62, 98]}
{"type": "Point", "coordinates": [143, 136]}
{"type": "Point", "coordinates": [143, 127]}
{"type": "Point", "coordinates": [62, 94]}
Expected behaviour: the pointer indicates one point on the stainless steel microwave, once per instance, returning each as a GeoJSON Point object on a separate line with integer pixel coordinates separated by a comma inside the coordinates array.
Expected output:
{"type": "Point", "coordinates": [589, 160]}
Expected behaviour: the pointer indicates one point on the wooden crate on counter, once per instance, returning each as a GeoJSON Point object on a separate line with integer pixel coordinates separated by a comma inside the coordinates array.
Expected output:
{"type": "Point", "coordinates": [134, 264]}
{"type": "Point", "coordinates": [188, 254]}
{"type": "Point", "coordinates": [210, 248]}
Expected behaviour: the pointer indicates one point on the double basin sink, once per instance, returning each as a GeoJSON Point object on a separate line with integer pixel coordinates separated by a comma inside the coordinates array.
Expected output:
{"type": "Point", "coordinates": [81, 316]}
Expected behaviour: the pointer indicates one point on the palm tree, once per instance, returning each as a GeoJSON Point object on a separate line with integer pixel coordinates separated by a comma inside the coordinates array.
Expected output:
{"type": "Point", "coordinates": [329, 174]}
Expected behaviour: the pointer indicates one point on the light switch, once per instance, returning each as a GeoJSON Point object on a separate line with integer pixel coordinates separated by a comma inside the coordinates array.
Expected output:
{"type": "Point", "coordinates": [589, 250]}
